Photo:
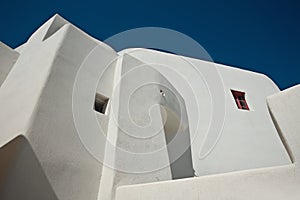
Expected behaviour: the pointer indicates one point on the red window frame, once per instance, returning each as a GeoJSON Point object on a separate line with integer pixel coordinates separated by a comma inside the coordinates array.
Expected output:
{"type": "Point", "coordinates": [240, 99]}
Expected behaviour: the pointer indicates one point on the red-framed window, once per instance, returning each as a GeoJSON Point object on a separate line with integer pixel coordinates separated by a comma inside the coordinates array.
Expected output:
{"type": "Point", "coordinates": [240, 99]}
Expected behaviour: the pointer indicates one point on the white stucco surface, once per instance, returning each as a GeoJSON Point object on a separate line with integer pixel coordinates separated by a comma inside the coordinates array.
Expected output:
{"type": "Point", "coordinates": [81, 121]}
{"type": "Point", "coordinates": [8, 58]}
{"type": "Point", "coordinates": [280, 182]}
{"type": "Point", "coordinates": [248, 139]}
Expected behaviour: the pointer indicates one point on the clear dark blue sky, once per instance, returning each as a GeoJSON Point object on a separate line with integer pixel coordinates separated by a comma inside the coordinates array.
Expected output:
{"type": "Point", "coordinates": [260, 35]}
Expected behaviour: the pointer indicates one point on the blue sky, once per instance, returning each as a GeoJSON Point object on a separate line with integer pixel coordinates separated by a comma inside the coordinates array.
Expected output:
{"type": "Point", "coordinates": [261, 36]}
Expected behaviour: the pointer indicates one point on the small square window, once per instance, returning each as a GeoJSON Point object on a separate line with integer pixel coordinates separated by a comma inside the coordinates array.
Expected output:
{"type": "Point", "coordinates": [100, 104]}
{"type": "Point", "coordinates": [240, 99]}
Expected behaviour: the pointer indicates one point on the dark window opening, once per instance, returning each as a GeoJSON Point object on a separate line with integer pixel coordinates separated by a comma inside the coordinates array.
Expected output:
{"type": "Point", "coordinates": [100, 103]}
{"type": "Point", "coordinates": [240, 100]}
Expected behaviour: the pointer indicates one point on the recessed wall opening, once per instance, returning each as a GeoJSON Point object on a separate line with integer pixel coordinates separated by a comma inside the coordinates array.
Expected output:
{"type": "Point", "coordinates": [240, 100]}
{"type": "Point", "coordinates": [101, 102]}
{"type": "Point", "coordinates": [182, 166]}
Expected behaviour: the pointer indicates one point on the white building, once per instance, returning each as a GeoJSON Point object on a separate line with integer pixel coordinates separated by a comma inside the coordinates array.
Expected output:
{"type": "Point", "coordinates": [81, 121]}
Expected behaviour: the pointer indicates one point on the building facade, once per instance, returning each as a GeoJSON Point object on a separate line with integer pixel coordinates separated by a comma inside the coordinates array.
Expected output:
{"type": "Point", "coordinates": [82, 121]}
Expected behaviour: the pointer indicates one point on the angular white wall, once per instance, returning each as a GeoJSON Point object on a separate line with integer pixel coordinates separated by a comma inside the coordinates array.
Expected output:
{"type": "Point", "coordinates": [160, 107]}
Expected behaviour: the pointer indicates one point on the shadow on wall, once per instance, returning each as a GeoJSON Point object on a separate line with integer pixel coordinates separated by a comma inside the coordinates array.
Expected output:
{"type": "Point", "coordinates": [21, 175]}
{"type": "Point", "coordinates": [177, 135]}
